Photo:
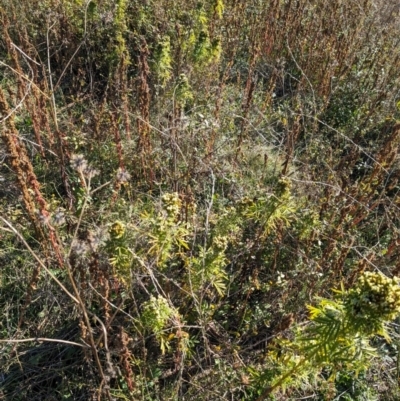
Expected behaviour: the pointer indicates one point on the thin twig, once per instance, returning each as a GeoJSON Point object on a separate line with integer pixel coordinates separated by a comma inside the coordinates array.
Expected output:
{"type": "Point", "coordinates": [24, 77]}
{"type": "Point", "coordinates": [22, 239]}
{"type": "Point", "coordinates": [52, 340]}
{"type": "Point", "coordinates": [19, 105]}
{"type": "Point", "coordinates": [118, 308]}
{"type": "Point", "coordinates": [53, 99]}
{"type": "Point", "coordinates": [21, 51]}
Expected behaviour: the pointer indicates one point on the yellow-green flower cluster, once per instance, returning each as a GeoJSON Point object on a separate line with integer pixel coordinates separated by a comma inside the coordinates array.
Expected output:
{"type": "Point", "coordinates": [283, 188]}
{"type": "Point", "coordinates": [171, 204]}
{"type": "Point", "coordinates": [156, 316]}
{"type": "Point", "coordinates": [375, 297]}
{"type": "Point", "coordinates": [117, 230]}
{"type": "Point", "coordinates": [156, 313]}
{"type": "Point", "coordinates": [220, 242]}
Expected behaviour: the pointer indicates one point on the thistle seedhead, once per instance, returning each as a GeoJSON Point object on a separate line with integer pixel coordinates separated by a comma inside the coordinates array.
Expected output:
{"type": "Point", "coordinates": [98, 237]}
{"type": "Point", "coordinates": [123, 176]}
{"type": "Point", "coordinates": [80, 164]}
{"type": "Point", "coordinates": [80, 248]}
{"type": "Point", "coordinates": [58, 217]}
